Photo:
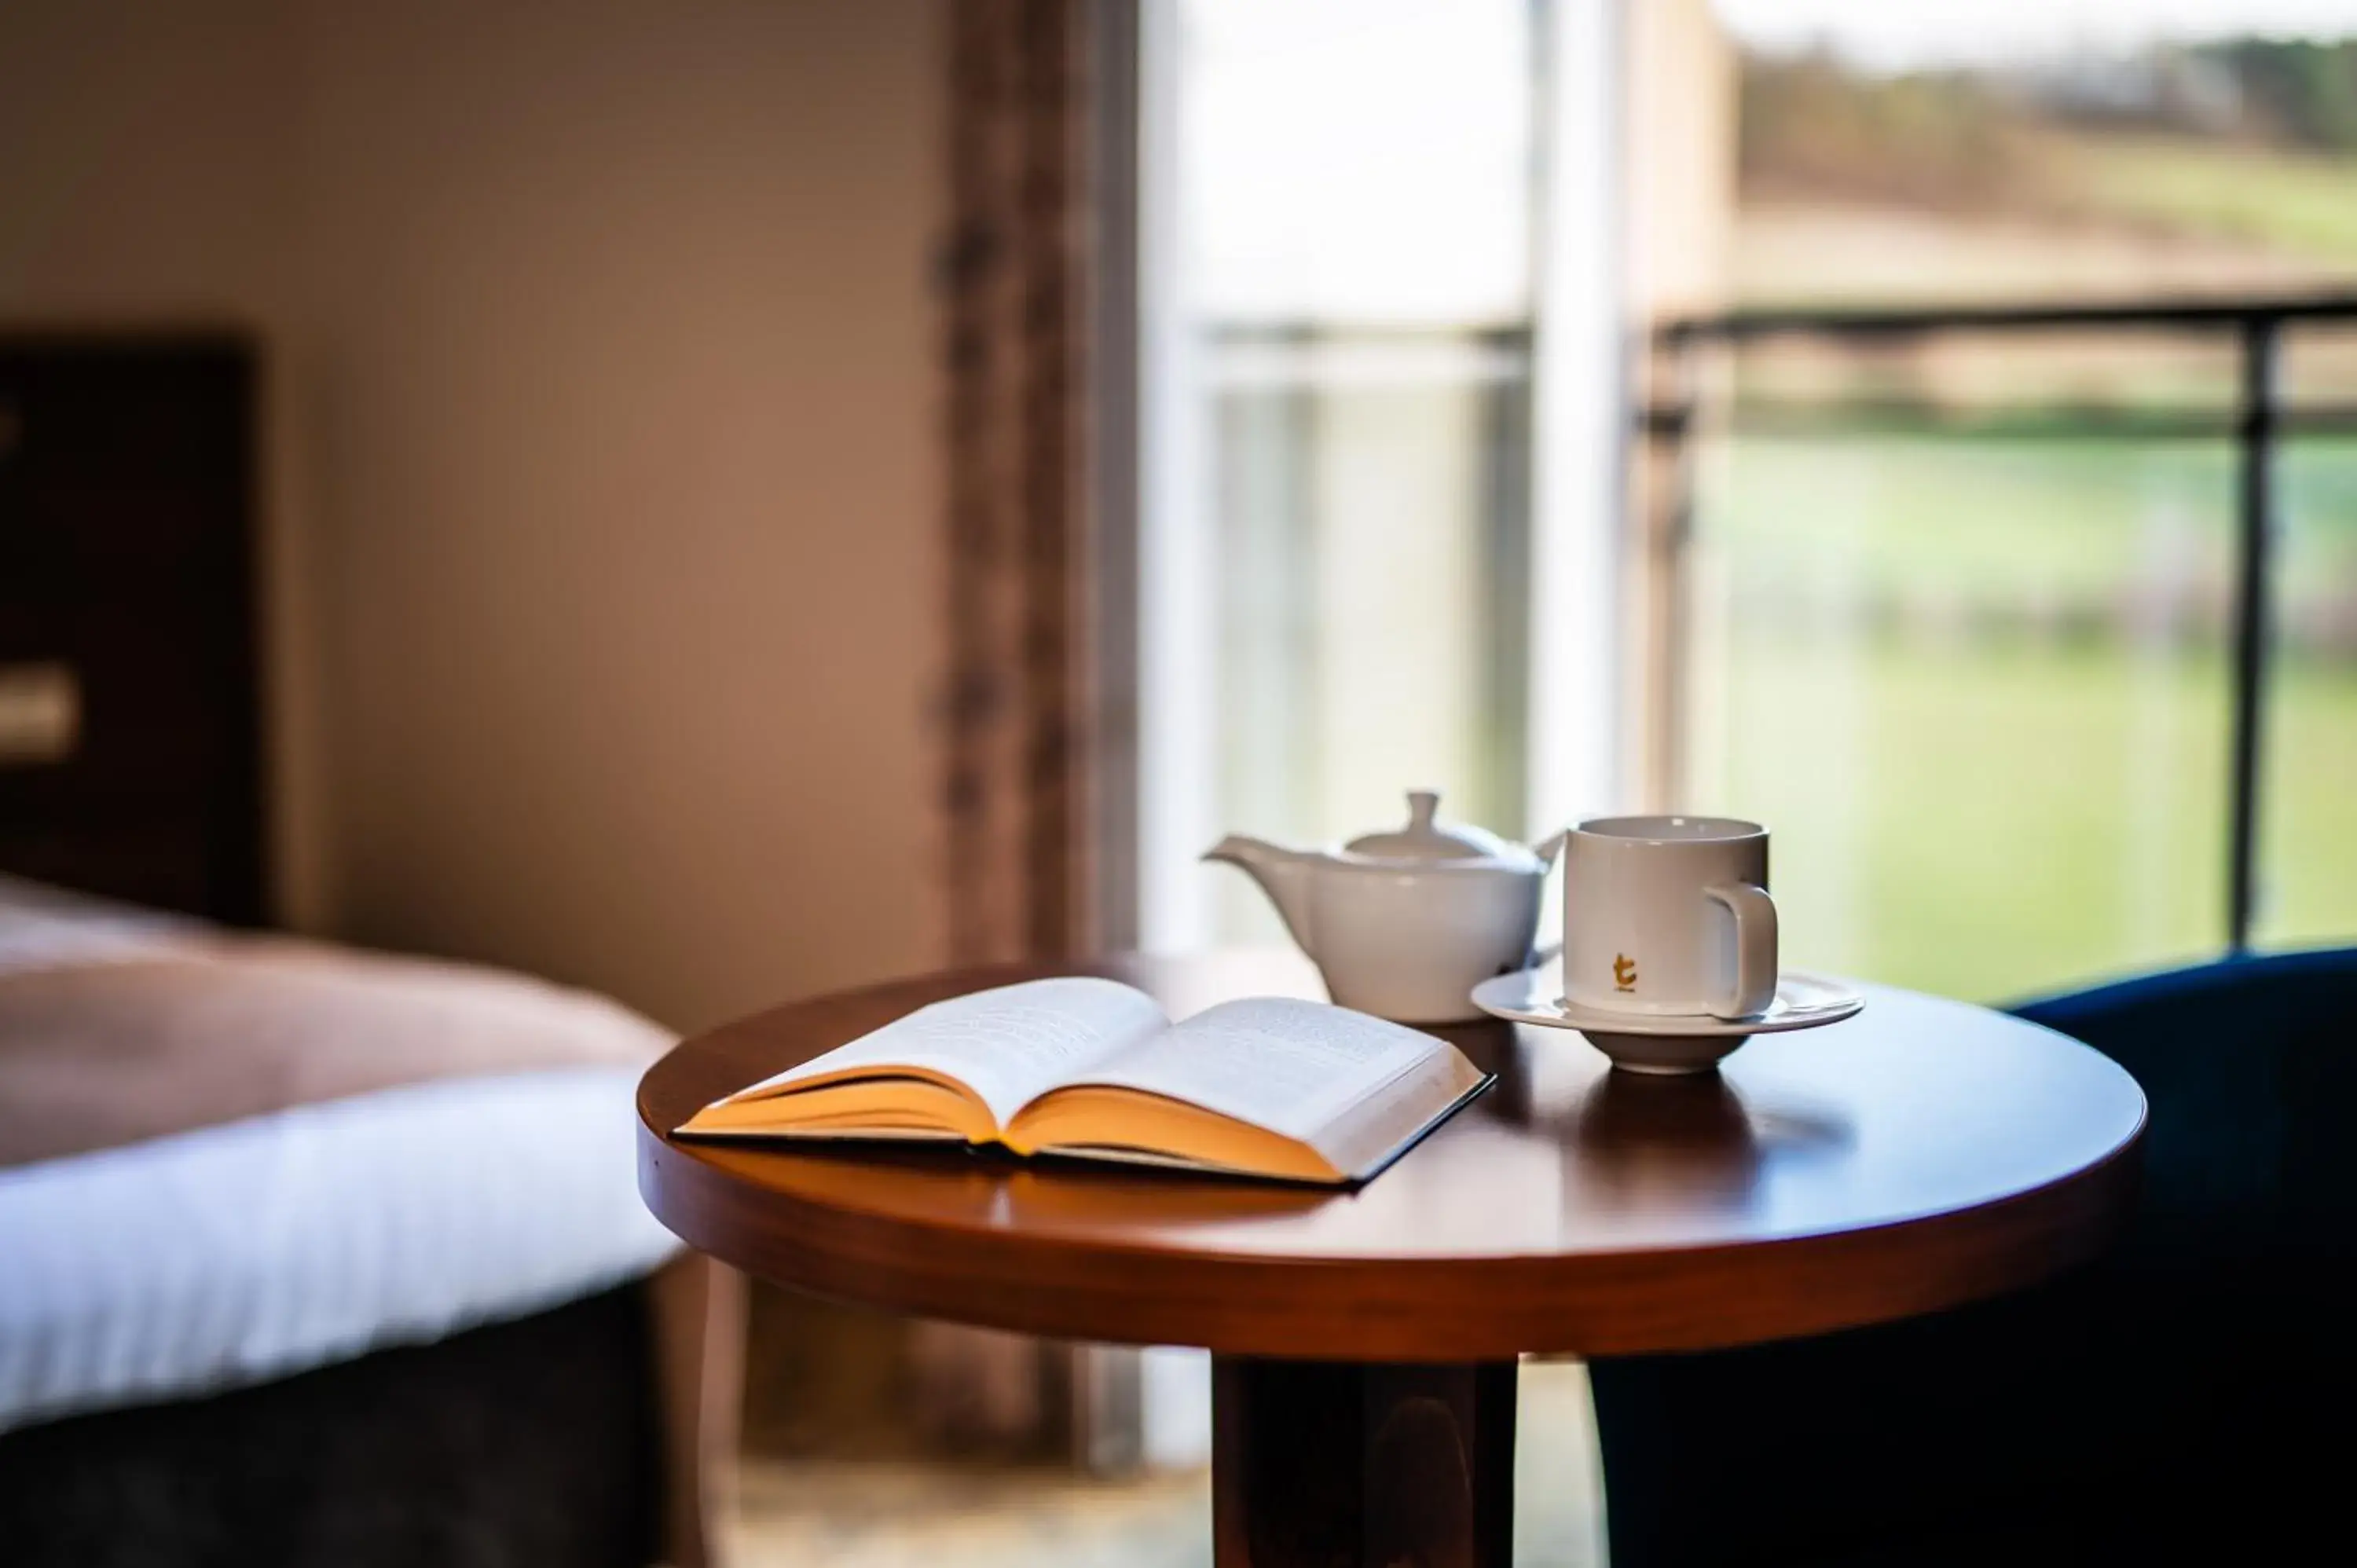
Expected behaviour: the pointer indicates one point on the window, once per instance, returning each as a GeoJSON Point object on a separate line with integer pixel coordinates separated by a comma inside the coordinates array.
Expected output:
{"type": "Point", "coordinates": [1957, 609]}
{"type": "Point", "coordinates": [1353, 209]}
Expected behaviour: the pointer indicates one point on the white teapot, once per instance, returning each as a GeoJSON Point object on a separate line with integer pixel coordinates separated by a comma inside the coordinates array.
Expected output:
{"type": "Point", "coordinates": [1404, 924]}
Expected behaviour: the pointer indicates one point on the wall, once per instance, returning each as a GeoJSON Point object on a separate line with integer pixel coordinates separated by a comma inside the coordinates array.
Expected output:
{"type": "Point", "coordinates": [629, 496]}
{"type": "Point", "coordinates": [147, 175]}
{"type": "Point", "coordinates": [1679, 119]}
{"type": "Point", "coordinates": [602, 478]}
{"type": "Point", "coordinates": [1678, 174]}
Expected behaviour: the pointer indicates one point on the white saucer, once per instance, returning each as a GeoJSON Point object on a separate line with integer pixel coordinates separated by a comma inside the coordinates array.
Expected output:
{"type": "Point", "coordinates": [1663, 1042]}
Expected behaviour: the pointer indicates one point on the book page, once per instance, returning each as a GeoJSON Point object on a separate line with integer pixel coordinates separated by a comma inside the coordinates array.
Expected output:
{"type": "Point", "coordinates": [1286, 1064]}
{"type": "Point", "coordinates": [1008, 1045]}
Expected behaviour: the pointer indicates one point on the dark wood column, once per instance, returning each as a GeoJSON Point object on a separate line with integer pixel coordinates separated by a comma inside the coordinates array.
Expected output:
{"type": "Point", "coordinates": [1353, 1465]}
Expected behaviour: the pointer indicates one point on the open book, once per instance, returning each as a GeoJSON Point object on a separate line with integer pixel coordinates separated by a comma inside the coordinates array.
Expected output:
{"type": "Point", "coordinates": [1093, 1069]}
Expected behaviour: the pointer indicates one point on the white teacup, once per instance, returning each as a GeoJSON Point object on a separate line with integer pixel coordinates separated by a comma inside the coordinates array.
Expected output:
{"type": "Point", "coordinates": [1668, 915]}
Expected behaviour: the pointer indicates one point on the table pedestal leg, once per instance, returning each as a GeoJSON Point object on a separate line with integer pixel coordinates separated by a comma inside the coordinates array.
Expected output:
{"type": "Point", "coordinates": [1361, 1465]}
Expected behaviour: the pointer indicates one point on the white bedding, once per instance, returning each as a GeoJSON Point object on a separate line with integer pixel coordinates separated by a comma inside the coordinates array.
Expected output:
{"type": "Point", "coordinates": [44, 927]}
{"type": "Point", "coordinates": [240, 1253]}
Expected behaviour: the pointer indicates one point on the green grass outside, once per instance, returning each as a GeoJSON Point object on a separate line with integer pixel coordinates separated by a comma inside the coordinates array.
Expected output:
{"type": "Point", "coordinates": [2304, 204]}
{"type": "Point", "coordinates": [1922, 664]}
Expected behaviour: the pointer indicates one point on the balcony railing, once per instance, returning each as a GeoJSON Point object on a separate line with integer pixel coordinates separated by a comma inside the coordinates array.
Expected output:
{"type": "Point", "coordinates": [2256, 420]}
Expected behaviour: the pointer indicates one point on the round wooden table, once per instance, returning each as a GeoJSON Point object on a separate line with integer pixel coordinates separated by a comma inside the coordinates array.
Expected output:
{"type": "Point", "coordinates": [1920, 1155]}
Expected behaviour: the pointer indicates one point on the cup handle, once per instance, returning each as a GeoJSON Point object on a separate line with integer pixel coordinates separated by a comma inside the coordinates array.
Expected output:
{"type": "Point", "coordinates": [1755, 947]}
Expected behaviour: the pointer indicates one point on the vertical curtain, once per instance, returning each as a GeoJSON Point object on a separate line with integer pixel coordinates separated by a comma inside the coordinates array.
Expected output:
{"type": "Point", "coordinates": [1015, 272]}
{"type": "Point", "coordinates": [1018, 777]}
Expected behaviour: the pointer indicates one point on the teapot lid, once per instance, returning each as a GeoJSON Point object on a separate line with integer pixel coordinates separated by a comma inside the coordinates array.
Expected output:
{"type": "Point", "coordinates": [1424, 839]}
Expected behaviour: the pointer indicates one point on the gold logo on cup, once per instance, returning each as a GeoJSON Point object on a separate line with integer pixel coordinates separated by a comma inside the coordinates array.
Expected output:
{"type": "Point", "coordinates": [1624, 972]}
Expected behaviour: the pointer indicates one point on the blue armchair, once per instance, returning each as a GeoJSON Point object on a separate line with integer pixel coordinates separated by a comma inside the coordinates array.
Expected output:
{"type": "Point", "coordinates": [2194, 1392]}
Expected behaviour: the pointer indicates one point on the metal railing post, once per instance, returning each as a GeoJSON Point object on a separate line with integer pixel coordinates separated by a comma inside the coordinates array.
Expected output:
{"type": "Point", "coordinates": [2255, 436]}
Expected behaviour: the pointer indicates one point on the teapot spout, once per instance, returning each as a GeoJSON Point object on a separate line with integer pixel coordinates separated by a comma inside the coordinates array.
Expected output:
{"type": "Point", "coordinates": [1282, 873]}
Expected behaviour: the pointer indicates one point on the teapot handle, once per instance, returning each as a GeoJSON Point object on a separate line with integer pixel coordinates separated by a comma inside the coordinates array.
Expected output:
{"type": "Point", "coordinates": [1550, 853]}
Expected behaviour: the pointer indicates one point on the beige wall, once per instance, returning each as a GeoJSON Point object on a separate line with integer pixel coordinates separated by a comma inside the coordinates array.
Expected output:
{"type": "Point", "coordinates": [1679, 161]}
{"type": "Point", "coordinates": [602, 464]}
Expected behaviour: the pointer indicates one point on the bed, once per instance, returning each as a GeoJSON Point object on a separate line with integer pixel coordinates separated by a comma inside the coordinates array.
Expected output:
{"type": "Point", "coordinates": [307, 1254]}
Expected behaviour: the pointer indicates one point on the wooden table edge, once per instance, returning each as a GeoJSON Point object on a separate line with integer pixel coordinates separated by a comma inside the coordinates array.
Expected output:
{"type": "Point", "coordinates": [1408, 1309]}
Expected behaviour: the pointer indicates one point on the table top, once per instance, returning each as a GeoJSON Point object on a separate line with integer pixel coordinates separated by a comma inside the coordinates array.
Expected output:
{"type": "Point", "coordinates": [1923, 1154]}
